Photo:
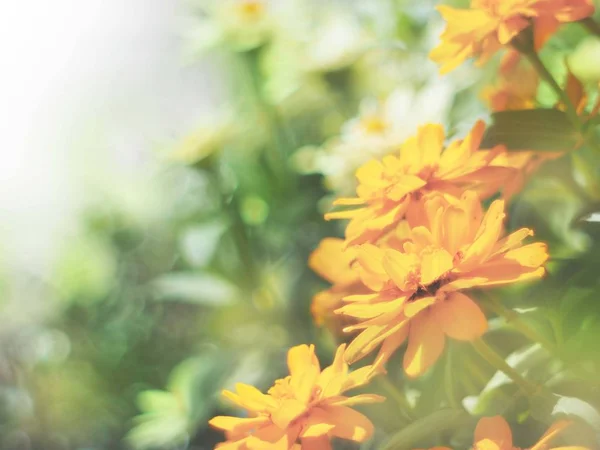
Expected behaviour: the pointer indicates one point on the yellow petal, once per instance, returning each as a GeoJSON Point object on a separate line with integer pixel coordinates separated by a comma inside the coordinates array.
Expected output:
{"type": "Point", "coordinates": [356, 400]}
{"type": "Point", "coordinates": [288, 411]}
{"type": "Point", "coordinates": [391, 344]}
{"type": "Point", "coordinates": [425, 345]}
{"type": "Point", "coordinates": [402, 268]}
{"type": "Point", "coordinates": [331, 260]}
{"type": "Point", "coordinates": [532, 255]}
{"type": "Point", "coordinates": [371, 270]}
{"type": "Point", "coordinates": [301, 359]}
{"type": "Point", "coordinates": [431, 142]}
{"type": "Point", "coordinates": [552, 433]}
{"type": "Point", "coordinates": [369, 311]}
{"type": "Point", "coordinates": [404, 186]}
{"type": "Point", "coordinates": [349, 424]}
{"type": "Point", "coordinates": [460, 317]}
{"type": "Point", "coordinates": [494, 429]}
{"type": "Point", "coordinates": [318, 443]}
{"type": "Point", "coordinates": [416, 306]}
{"type": "Point", "coordinates": [434, 263]}
{"type": "Point", "coordinates": [273, 438]}
{"type": "Point", "coordinates": [316, 424]}
{"type": "Point", "coordinates": [250, 398]}
{"type": "Point", "coordinates": [487, 235]}
{"type": "Point", "coordinates": [237, 424]}
{"type": "Point", "coordinates": [456, 229]}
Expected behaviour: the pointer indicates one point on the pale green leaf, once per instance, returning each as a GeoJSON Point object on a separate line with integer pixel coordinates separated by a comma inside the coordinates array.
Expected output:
{"type": "Point", "coordinates": [536, 129]}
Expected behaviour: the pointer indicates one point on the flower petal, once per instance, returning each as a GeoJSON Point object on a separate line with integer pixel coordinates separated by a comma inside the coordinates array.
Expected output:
{"type": "Point", "coordinates": [425, 344]}
{"type": "Point", "coordinates": [415, 307]}
{"type": "Point", "coordinates": [349, 424]}
{"type": "Point", "coordinates": [301, 359]}
{"type": "Point", "coordinates": [494, 429]}
{"type": "Point", "coordinates": [434, 264]}
{"type": "Point", "coordinates": [356, 400]}
{"type": "Point", "coordinates": [318, 443]}
{"type": "Point", "coordinates": [460, 317]}
{"type": "Point", "coordinates": [237, 424]}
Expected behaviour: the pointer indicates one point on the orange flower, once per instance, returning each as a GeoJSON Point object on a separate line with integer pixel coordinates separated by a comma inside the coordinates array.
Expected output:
{"type": "Point", "coordinates": [301, 411]}
{"type": "Point", "coordinates": [488, 25]}
{"type": "Point", "coordinates": [388, 188]}
{"type": "Point", "coordinates": [493, 433]}
{"type": "Point", "coordinates": [332, 261]}
{"type": "Point", "coordinates": [417, 288]}
{"type": "Point", "coordinates": [516, 89]}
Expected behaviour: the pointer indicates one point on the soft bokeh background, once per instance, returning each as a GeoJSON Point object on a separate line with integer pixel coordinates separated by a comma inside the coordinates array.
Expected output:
{"type": "Point", "coordinates": [163, 184]}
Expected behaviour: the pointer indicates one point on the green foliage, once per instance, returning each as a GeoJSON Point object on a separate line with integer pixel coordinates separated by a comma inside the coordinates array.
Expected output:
{"type": "Point", "coordinates": [170, 417]}
{"type": "Point", "coordinates": [546, 130]}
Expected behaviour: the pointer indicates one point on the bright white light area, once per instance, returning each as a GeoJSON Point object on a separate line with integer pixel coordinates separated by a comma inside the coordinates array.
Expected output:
{"type": "Point", "coordinates": [87, 89]}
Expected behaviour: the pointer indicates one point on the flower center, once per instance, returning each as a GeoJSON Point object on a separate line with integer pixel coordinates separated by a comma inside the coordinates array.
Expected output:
{"type": "Point", "coordinates": [251, 9]}
{"type": "Point", "coordinates": [373, 125]}
{"type": "Point", "coordinates": [427, 291]}
{"type": "Point", "coordinates": [426, 172]}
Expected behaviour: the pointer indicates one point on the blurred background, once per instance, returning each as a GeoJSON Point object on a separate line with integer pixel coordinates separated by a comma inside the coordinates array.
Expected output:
{"type": "Point", "coordinates": [165, 168]}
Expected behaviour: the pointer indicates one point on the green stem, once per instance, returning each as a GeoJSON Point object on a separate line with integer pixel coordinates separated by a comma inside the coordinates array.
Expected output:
{"type": "Point", "coordinates": [393, 392]}
{"type": "Point", "coordinates": [545, 75]}
{"type": "Point", "coordinates": [276, 129]}
{"type": "Point", "coordinates": [571, 111]}
{"type": "Point", "coordinates": [496, 361]}
{"type": "Point", "coordinates": [230, 204]}
{"type": "Point", "coordinates": [513, 319]}
{"type": "Point", "coordinates": [591, 25]}
{"type": "Point", "coordinates": [449, 383]}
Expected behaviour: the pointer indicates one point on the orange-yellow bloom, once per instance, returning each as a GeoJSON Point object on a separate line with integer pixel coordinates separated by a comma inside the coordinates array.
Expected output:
{"type": "Point", "coordinates": [389, 188]}
{"type": "Point", "coordinates": [493, 433]}
{"type": "Point", "coordinates": [488, 25]}
{"type": "Point", "coordinates": [332, 261]}
{"type": "Point", "coordinates": [417, 288]}
{"type": "Point", "coordinates": [302, 411]}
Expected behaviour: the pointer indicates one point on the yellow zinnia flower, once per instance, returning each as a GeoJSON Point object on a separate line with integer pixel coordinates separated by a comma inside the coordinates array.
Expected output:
{"type": "Point", "coordinates": [417, 288]}
{"type": "Point", "coordinates": [332, 261]}
{"type": "Point", "coordinates": [493, 433]}
{"type": "Point", "coordinates": [303, 410]}
{"type": "Point", "coordinates": [489, 25]}
{"type": "Point", "coordinates": [388, 188]}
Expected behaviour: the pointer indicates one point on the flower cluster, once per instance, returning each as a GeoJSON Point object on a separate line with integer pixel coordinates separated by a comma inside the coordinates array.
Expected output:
{"type": "Point", "coordinates": [425, 234]}
{"type": "Point", "coordinates": [490, 25]}
{"type": "Point", "coordinates": [493, 433]}
{"type": "Point", "coordinates": [304, 410]}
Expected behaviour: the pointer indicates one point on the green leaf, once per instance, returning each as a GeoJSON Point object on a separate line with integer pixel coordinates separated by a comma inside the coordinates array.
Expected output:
{"type": "Point", "coordinates": [199, 243]}
{"type": "Point", "coordinates": [418, 431]}
{"type": "Point", "coordinates": [497, 394]}
{"type": "Point", "coordinates": [203, 288]}
{"type": "Point", "coordinates": [535, 129]}
{"type": "Point", "coordinates": [585, 417]}
{"type": "Point", "coordinates": [170, 417]}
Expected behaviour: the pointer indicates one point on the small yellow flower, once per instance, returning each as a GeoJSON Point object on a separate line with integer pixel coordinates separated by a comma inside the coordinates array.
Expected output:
{"type": "Point", "coordinates": [489, 25]}
{"type": "Point", "coordinates": [417, 287]}
{"type": "Point", "coordinates": [302, 411]}
{"type": "Point", "coordinates": [389, 187]}
{"type": "Point", "coordinates": [493, 433]}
